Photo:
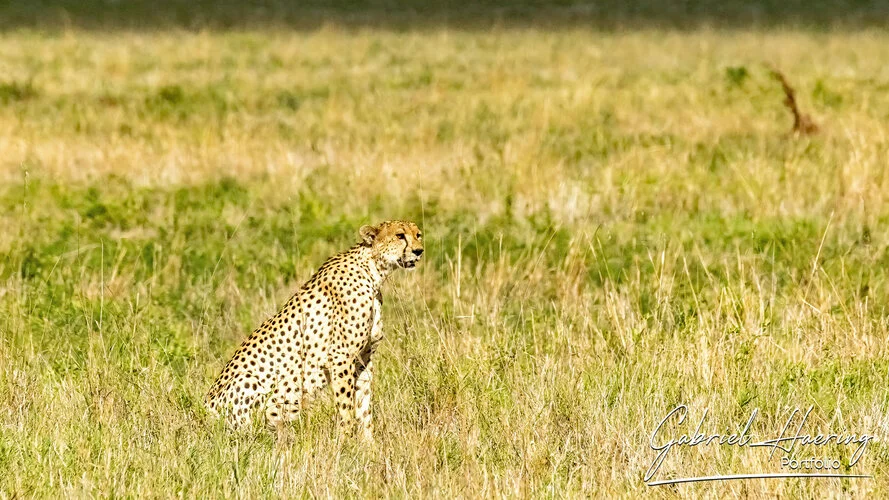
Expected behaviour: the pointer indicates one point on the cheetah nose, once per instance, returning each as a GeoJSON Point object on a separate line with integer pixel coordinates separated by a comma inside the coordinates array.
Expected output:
{"type": "Point", "coordinates": [418, 252]}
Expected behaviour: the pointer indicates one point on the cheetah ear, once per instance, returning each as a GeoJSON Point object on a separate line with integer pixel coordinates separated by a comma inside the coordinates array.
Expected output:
{"type": "Point", "coordinates": [368, 233]}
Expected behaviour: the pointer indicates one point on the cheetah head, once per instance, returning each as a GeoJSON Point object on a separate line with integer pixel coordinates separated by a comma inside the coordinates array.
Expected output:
{"type": "Point", "coordinates": [395, 243]}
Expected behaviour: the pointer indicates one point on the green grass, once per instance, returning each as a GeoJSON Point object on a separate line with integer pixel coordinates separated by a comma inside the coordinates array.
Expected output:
{"type": "Point", "coordinates": [460, 14]}
{"type": "Point", "coordinates": [616, 223]}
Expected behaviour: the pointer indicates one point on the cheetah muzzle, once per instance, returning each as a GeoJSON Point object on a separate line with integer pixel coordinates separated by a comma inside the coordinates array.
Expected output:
{"type": "Point", "coordinates": [325, 334]}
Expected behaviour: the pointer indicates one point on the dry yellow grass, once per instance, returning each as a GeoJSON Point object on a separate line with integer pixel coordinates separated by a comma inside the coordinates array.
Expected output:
{"type": "Point", "coordinates": [617, 223]}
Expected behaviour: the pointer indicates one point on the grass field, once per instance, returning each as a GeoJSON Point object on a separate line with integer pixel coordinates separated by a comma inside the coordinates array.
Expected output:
{"type": "Point", "coordinates": [616, 223]}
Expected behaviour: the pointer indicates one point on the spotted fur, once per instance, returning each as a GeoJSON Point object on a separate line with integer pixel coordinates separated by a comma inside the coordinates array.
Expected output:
{"type": "Point", "coordinates": [325, 334]}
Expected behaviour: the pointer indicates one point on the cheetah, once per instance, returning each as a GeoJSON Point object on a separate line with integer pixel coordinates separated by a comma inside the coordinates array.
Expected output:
{"type": "Point", "coordinates": [326, 334]}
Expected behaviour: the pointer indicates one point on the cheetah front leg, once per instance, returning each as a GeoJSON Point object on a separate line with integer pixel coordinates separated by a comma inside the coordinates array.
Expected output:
{"type": "Point", "coordinates": [363, 395]}
{"type": "Point", "coordinates": [343, 375]}
{"type": "Point", "coordinates": [363, 388]}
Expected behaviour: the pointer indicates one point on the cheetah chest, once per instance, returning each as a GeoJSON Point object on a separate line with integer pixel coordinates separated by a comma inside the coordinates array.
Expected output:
{"type": "Point", "coordinates": [376, 330]}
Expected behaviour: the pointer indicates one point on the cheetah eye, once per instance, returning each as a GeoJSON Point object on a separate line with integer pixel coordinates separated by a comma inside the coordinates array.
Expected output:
{"type": "Point", "coordinates": [419, 236]}
{"type": "Point", "coordinates": [400, 235]}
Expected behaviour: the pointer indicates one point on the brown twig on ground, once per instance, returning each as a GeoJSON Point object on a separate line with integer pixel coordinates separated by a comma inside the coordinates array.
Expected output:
{"type": "Point", "coordinates": [802, 123]}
